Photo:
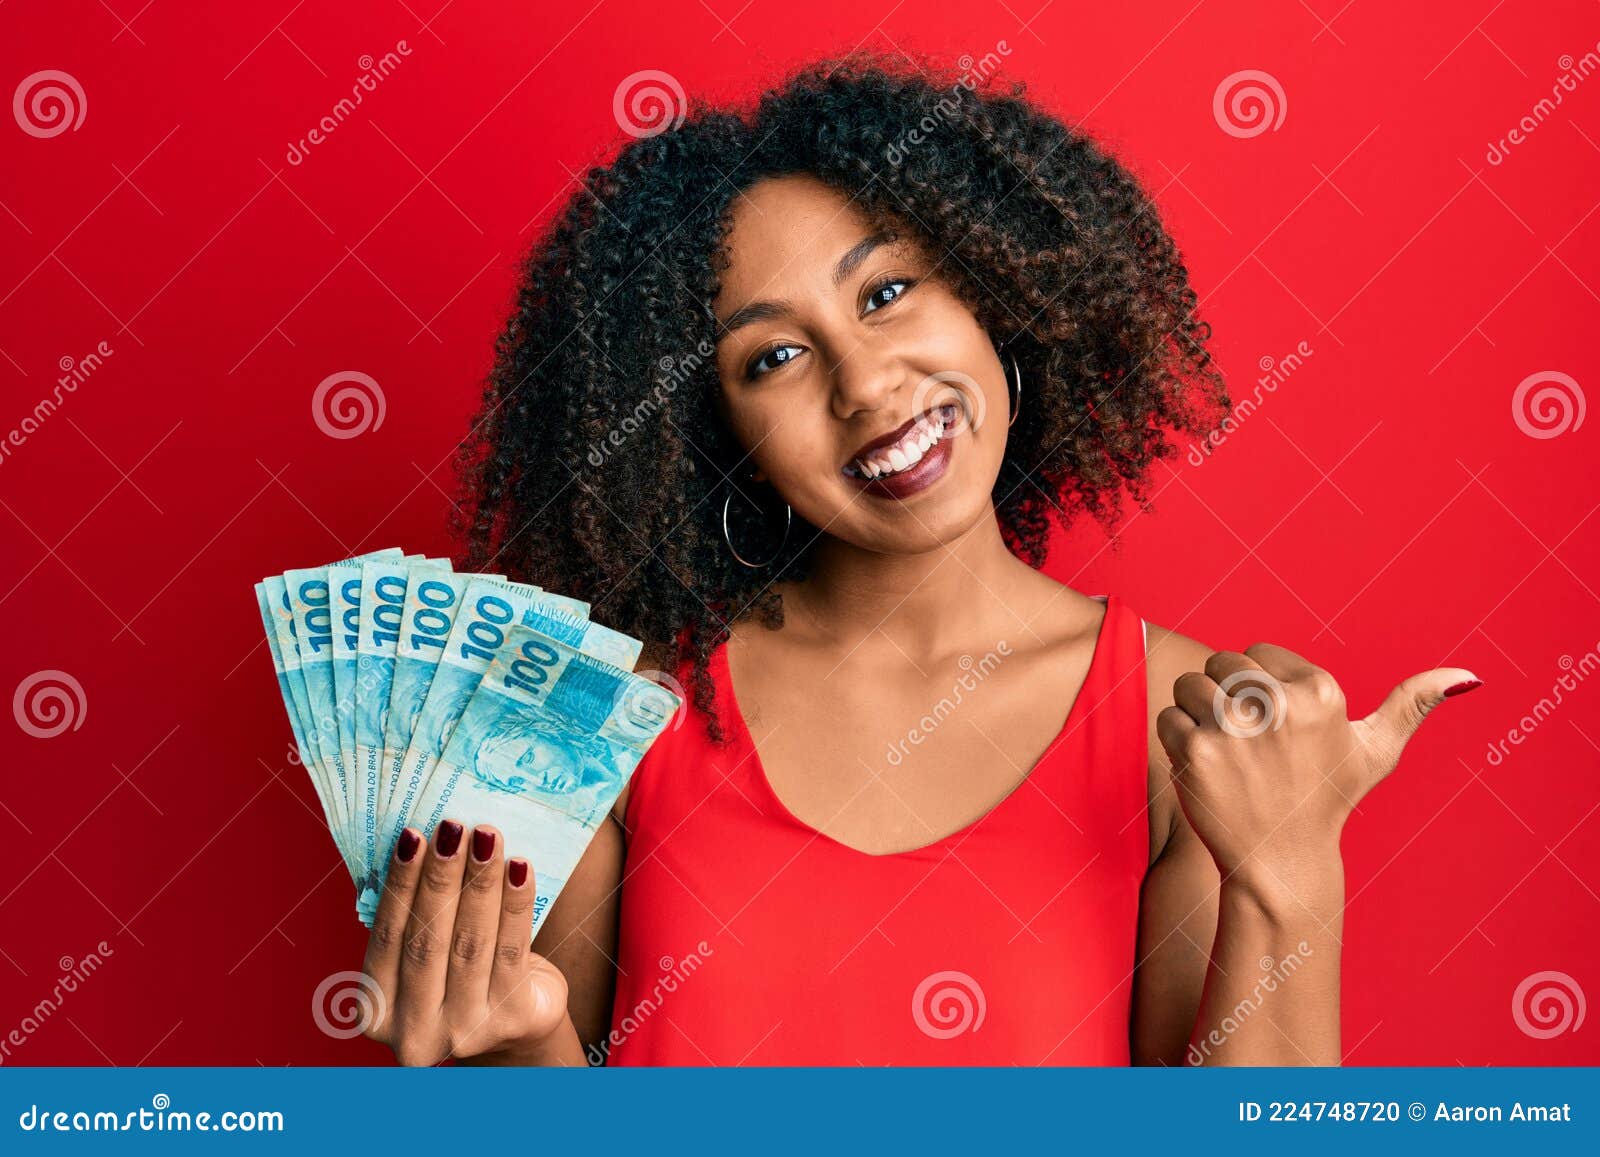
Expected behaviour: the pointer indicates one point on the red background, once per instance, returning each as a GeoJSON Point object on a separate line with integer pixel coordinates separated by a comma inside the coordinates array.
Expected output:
{"type": "Point", "coordinates": [1381, 512]}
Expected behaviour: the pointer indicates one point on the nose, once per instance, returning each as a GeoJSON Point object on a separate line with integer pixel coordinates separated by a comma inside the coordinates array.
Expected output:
{"type": "Point", "coordinates": [866, 378]}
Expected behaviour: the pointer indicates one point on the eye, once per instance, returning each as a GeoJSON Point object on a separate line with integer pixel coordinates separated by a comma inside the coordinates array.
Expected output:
{"type": "Point", "coordinates": [887, 292]}
{"type": "Point", "coordinates": [779, 355]}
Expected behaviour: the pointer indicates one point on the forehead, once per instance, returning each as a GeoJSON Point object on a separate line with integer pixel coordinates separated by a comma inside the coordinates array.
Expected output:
{"type": "Point", "coordinates": [786, 230]}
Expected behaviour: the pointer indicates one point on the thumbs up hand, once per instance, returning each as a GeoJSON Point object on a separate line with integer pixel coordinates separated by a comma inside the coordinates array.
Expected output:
{"type": "Point", "coordinates": [1267, 765]}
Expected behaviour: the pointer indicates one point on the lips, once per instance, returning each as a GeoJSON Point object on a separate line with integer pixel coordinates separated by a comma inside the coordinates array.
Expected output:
{"type": "Point", "coordinates": [910, 458]}
{"type": "Point", "coordinates": [903, 447]}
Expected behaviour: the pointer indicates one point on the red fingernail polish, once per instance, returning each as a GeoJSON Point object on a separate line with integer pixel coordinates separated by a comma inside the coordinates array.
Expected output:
{"type": "Point", "coordinates": [408, 845]}
{"type": "Point", "coordinates": [449, 838]}
{"type": "Point", "coordinates": [482, 845]}
{"type": "Point", "coordinates": [1463, 688]}
{"type": "Point", "coordinates": [517, 873]}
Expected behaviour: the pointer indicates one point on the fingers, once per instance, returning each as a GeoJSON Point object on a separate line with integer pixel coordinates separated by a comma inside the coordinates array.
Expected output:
{"type": "Point", "coordinates": [1280, 662]}
{"type": "Point", "coordinates": [423, 960]}
{"type": "Point", "coordinates": [1402, 711]}
{"type": "Point", "coordinates": [1196, 694]}
{"type": "Point", "coordinates": [514, 937]}
{"type": "Point", "coordinates": [1174, 727]}
{"type": "Point", "coordinates": [477, 925]}
{"type": "Point", "coordinates": [385, 944]}
{"type": "Point", "coordinates": [1256, 677]}
{"type": "Point", "coordinates": [1225, 664]}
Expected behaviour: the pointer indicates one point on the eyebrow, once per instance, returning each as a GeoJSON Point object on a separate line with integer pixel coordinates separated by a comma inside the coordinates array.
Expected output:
{"type": "Point", "coordinates": [848, 263]}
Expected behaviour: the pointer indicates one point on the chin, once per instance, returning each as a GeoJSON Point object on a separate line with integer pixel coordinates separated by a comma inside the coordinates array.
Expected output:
{"type": "Point", "coordinates": [927, 521]}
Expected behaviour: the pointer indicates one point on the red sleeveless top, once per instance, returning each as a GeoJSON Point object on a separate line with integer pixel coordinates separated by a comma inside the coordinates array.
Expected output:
{"type": "Point", "coordinates": [749, 937]}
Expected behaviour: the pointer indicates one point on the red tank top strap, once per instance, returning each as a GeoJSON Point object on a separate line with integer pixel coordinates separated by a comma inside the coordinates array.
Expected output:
{"type": "Point", "coordinates": [1108, 740]}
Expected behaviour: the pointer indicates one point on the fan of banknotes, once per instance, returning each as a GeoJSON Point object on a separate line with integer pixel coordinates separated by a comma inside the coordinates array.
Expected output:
{"type": "Point", "coordinates": [417, 694]}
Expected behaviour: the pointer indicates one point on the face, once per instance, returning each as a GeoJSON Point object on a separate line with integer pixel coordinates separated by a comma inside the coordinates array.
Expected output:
{"type": "Point", "coordinates": [546, 768]}
{"type": "Point", "coordinates": [864, 390]}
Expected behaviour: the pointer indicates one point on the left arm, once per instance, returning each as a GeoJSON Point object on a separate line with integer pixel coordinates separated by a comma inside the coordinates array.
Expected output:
{"type": "Point", "coordinates": [1264, 769]}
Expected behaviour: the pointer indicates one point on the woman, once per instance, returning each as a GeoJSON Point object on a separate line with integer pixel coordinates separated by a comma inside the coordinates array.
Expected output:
{"type": "Point", "coordinates": [919, 808]}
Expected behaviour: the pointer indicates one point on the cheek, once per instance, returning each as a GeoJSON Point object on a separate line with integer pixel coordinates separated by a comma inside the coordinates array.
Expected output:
{"type": "Point", "coordinates": [784, 437]}
{"type": "Point", "coordinates": [796, 453]}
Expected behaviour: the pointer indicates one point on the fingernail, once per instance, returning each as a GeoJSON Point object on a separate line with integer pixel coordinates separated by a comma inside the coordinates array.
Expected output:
{"type": "Point", "coordinates": [1463, 687]}
{"type": "Point", "coordinates": [517, 873]}
{"type": "Point", "coordinates": [449, 838]}
{"type": "Point", "coordinates": [482, 845]}
{"type": "Point", "coordinates": [406, 849]}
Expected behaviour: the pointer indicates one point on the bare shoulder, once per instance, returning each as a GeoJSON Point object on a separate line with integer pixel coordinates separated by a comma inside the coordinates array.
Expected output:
{"type": "Point", "coordinates": [1168, 655]}
{"type": "Point", "coordinates": [655, 657]}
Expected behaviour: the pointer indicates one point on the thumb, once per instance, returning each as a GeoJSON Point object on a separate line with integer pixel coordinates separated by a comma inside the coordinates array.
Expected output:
{"type": "Point", "coordinates": [1397, 718]}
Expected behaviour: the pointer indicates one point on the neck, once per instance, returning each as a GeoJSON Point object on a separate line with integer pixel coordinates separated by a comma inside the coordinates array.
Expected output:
{"type": "Point", "coordinates": [924, 604]}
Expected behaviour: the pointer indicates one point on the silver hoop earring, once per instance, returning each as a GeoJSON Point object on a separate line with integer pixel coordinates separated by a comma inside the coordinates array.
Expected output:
{"type": "Point", "coordinates": [1017, 407]}
{"type": "Point", "coordinates": [788, 521]}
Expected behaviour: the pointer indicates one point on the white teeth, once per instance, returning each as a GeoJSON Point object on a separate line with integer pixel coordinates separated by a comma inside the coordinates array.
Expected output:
{"type": "Point", "coordinates": [925, 434]}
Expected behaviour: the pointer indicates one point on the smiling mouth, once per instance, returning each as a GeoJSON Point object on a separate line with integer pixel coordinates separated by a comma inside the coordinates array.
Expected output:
{"type": "Point", "coordinates": [901, 450]}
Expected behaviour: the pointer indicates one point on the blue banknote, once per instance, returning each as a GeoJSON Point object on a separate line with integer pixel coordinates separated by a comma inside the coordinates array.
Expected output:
{"type": "Point", "coordinates": [311, 605]}
{"type": "Point", "coordinates": [321, 748]}
{"type": "Point", "coordinates": [344, 595]}
{"type": "Point", "coordinates": [302, 745]}
{"type": "Point", "coordinates": [489, 607]}
{"type": "Point", "coordinates": [427, 614]}
{"type": "Point", "coordinates": [414, 693]}
{"type": "Point", "coordinates": [542, 750]}
{"type": "Point", "coordinates": [289, 649]}
{"type": "Point", "coordinates": [379, 600]}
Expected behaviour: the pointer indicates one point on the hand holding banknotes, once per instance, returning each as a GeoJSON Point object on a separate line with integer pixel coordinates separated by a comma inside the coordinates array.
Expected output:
{"type": "Point", "coordinates": [449, 952]}
{"type": "Point", "coordinates": [424, 702]}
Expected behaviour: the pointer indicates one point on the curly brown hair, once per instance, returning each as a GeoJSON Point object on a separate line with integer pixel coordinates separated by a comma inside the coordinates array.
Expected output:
{"type": "Point", "coordinates": [598, 466]}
